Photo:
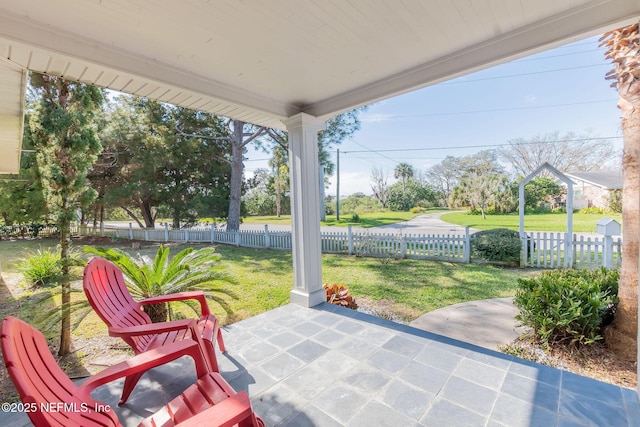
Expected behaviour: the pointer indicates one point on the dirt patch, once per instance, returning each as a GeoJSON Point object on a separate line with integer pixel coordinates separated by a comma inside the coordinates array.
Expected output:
{"type": "Point", "coordinates": [593, 361]}
{"type": "Point", "coordinates": [387, 309]}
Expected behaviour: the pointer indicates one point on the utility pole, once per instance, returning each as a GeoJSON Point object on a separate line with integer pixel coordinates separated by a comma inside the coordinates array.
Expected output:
{"type": "Point", "coordinates": [338, 184]}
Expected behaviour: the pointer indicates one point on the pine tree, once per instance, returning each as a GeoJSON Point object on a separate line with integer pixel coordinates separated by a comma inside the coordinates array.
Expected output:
{"type": "Point", "coordinates": [62, 125]}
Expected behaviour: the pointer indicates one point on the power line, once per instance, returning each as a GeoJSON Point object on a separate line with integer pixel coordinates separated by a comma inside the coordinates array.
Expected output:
{"type": "Point", "coordinates": [459, 80]}
{"type": "Point", "coordinates": [561, 55]}
{"type": "Point", "coordinates": [494, 110]}
{"type": "Point", "coordinates": [474, 146]}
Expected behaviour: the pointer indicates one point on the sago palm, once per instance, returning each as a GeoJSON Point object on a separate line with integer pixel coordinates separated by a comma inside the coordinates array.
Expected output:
{"type": "Point", "coordinates": [188, 270]}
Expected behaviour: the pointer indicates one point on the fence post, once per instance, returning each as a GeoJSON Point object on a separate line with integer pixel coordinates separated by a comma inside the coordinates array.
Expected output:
{"type": "Point", "coordinates": [146, 235]}
{"type": "Point", "coordinates": [350, 239]}
{"type": "Point", "coordinates": [568, 250]}
{"type": "Point", "coordinates": [101, 228]}
{"type": "Point", "coordinates": [403, 246]}
{"type": "Point", "coordinates": [467, 245]}
{"type": "Point", "coordinates": [607, 249]}
{"type": "Point", "coordinates": [130, 231]}
{"type": "Point", "coordinates": [267, 238]}
{"type": "Point", "coordinates": [237, 238]}
{"type": "Point", "coordinates": [186, 235]}
{"type": "Point", "coordinates": [166, 232]}
{"type": "Point", "coordinates": [213, 232]}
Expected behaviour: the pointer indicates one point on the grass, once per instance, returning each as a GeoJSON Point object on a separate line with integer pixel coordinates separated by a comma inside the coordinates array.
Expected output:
{"type": "Point", "coordinates": [370, 219]}
{"type": "Point", "coordinates": [585, 223]}
{"type": "Point", "coordinates": [263, 280]}
{"type": "Point", "coordinates": [265, 277]}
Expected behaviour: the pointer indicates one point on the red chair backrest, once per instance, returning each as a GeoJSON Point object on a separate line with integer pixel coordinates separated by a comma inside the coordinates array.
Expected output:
{"type": "Point", "coordinates": [50, 398]}
{"type": "Point", "coordinates": [107, 293]}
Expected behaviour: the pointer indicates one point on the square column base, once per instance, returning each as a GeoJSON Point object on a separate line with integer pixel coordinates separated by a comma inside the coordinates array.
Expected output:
{"type": "Point", "coordinates": [308, 299]}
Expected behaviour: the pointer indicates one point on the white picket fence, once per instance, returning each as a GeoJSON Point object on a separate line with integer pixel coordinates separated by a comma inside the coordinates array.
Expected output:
{"type": "Point", "coordinates": [540, 250]}
{"type": "Point", "coordinates": [552, 250]}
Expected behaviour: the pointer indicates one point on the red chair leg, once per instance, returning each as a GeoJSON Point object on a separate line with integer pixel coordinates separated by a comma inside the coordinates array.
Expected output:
{"type": "Point", "coordinates": [129, 383]}
{"type": "Point", "coordinates": [220, 341]}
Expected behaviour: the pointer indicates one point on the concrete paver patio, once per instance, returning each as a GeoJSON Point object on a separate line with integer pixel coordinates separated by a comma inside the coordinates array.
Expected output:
{"type": "Point", "coordinates": [330, 366]}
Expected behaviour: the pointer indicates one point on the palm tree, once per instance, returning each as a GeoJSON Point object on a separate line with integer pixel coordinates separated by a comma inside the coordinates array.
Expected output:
{"type": "Point", "coordinates": [188, 270]}
{"type": "Point", "coordinates": [623, 48]}
{"type": "Point", "coordinates": [403, 171]}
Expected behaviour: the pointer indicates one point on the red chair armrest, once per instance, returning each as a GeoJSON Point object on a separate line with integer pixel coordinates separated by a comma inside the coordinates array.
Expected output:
{"type": "Point", "coordinates": [148, 360]}
{"type": "Point", "coordinates": [152, 328]}
{"type": "Point", "coordinates": [227, 413]}
{"type": "Point", "coordinates": [197, 295]}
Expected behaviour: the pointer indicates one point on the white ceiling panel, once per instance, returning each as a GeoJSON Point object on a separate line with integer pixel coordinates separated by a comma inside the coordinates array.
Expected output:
{"type": "Point", "coordinates": [271, 59]}
{"type": "Point", "coordinates": [12, 96]}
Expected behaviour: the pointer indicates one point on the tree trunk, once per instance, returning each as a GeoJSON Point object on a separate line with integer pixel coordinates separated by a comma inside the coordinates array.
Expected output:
{"type": "Point", "coordinates": [157, 312]}
{"type": "Point", "coordinates": [132, 215]}
{"type": "Point", "coordinates": [149, 219]}
{"type": "Point", "coordinates": [65, 330]}
{"type": "Point", "coordinates": [623, 334]}
{"type": "Point", "coordinates": [237, 170]}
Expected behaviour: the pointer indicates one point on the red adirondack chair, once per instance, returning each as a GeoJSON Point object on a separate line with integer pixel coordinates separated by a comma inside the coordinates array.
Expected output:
{"type": "Point", "coordinates": [107, 293]}
{"type": "Point", "coordinates": [51, 399]}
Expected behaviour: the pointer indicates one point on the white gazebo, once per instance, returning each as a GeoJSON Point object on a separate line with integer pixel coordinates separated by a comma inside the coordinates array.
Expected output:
{"type": "Point", "coordinates": [286, 64]}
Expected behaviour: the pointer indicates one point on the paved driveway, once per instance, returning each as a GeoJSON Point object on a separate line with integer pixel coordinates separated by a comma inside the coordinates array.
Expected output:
{"type": "Point", "coordinates": [425, 224]}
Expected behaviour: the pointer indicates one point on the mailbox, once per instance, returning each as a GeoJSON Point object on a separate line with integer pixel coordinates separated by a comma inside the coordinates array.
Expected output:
{"type": "Point", "coordinates": [608, 227]}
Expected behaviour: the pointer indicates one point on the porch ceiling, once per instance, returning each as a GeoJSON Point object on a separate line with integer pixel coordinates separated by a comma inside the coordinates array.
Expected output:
{"type": "Point", "coordinates": [263, 61]}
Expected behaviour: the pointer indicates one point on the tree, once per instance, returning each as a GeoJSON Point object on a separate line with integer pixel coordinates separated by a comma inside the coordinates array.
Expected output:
{"type": "Point", "coordinates": [128, 172]}
{"type": "Point", "coordinates": [623, 48]}
{"type": "Point", "coordinates": [481, 182]}
{"type": "Point", "coordinates": [446, 175]}
{"type": "Point", "coordinates": [412, 194]}
{"type": "Point", "coordinates": [162, 158]}
{"type": "Point", "coordinates": [280, 184]}
{"type": "Point", "coordinates": [194, 179]}
{"type": "Point", "coordinates": [380, 186]}
{"type": "Point", "coordinates": [241, 135]}
{"type": "Point", "coordinates": [403, 171]}
{"type": "Point", "coordinates": [570, 152]}
{"type": "Point", "coordinates": [65, 138]}
{"type": "Point", "coordinates": [538, 189]}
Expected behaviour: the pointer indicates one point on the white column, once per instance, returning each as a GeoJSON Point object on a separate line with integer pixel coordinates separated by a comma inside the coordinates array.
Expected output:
{"type": "Point", "coordinates": [305, 209]}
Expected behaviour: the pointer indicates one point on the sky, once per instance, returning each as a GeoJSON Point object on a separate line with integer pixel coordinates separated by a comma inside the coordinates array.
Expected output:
{"type": "Point", "coordinates": [562, 90]}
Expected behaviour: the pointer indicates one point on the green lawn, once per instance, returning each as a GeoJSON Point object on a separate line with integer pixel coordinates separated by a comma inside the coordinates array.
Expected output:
{"type": "Point", "coordinates": [265, 277]}
{"type": "Point", "coordinates": [532, 222]}
{"type": "Point", "coordinates": [372, 219]}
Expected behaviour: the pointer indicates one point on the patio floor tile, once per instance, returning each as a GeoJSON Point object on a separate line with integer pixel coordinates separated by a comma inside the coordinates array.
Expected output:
{"type": "Point", "coordinates": [445, 413]}
{"type": "Point", "coordinates": [328, 366]}
{"type": "Point", "coordinates": [469, 395]}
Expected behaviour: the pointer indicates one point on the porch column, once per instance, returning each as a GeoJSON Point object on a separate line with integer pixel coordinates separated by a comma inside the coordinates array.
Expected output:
{"type": "Point", "coordinates": [305, 209]}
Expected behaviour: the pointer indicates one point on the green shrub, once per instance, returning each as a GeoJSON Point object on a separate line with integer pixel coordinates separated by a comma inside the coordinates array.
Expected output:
{"type": "Point", "coordinates": [355, 218]}
{"type": "Point", "coordinates": [41, 267]}
{"type": "Point", "coordinates": [498, 244]}
{"type": "Point", "coordinates": [417, 209]}
{"type": "Point", "coordinates": [568, 306]}
{"type": "Point", "coordinates": [593, 210]}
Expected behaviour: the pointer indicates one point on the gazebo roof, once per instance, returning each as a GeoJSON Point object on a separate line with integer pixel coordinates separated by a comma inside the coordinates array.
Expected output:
{"type": "Point", "coordinates": [262, 61]}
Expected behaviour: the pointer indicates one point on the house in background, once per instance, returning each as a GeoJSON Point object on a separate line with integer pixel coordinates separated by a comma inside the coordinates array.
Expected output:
{"type": "Point", "coordinates": [593, 189]}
